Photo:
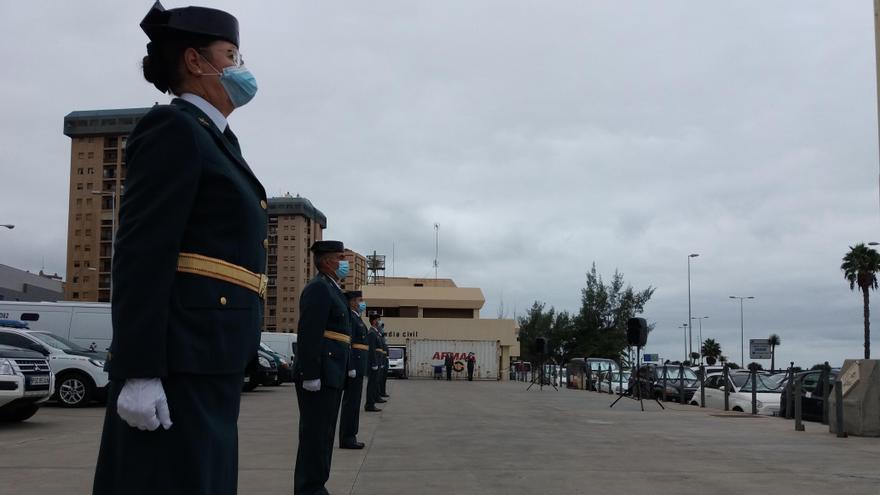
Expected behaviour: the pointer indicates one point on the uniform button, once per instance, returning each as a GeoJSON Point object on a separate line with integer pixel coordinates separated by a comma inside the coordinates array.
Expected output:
{"type": "Point", "coordinates": [263, 204]}
{"type": "Point", "coordinates": [223, 300]}
{"type": "Point", "coordinates": [265, 243]}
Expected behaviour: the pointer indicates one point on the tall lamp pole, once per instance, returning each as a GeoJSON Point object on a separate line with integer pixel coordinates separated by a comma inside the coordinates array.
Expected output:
{"type": "Point", "coordinates": [8, 226]}
{"type": "Point", "coordinates": [685, 327]}
{"type": "Point", "coordinates": [742, 333]}
{"type": "Point", "coordinates": [700, 335]}
{"type": "Point", "coordinates": [690, 337]}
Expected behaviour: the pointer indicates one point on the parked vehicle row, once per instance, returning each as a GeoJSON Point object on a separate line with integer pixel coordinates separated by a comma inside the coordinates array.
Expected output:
{"type": "Point", "coordinates": [26, 381]}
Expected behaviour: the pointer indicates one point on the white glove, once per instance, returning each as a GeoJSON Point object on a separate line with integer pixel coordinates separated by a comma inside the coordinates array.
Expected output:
{"type": "Point", "coordinates": [312, 385]}
{"type": "Point", "coordinates": [143, 405]}
{"type": "Point", "coordinates": [375, 368]}
{"type": "Point", "coordinates": [352, 373]}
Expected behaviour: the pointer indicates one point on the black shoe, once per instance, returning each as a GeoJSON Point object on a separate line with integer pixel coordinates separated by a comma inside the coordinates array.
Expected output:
{"type": "Point", "coordinates": [384, 396]}
{"type": "Point", "coordinates": [372, 409]}
{"type": "Point", "coordinates": [381, 401]}
{"type": "Point", "coordinates": [352, 445]}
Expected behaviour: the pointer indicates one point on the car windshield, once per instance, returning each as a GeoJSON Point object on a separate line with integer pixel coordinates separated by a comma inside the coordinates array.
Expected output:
{"type": "Point", "coordinates": [675, 373]}
{"type": "Point", "coordinates": [395, 353]}
{"type": "Point", "coordinates": [617, 376]}
{"type": "Point", "coordinates": [266, 348]}
{"type": "Point", "coordinates": [743, 382]}
{"type": "Point", "coordinates": [57, 342]}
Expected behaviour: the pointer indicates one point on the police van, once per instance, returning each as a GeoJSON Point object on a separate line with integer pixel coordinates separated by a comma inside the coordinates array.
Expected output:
{"type": "Point", "coordinates": [88, 325]}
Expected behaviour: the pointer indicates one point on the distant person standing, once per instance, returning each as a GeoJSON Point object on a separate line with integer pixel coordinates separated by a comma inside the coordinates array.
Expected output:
{"type": "Point", "coordinates": [448, 362]}
{"type": "Point", "coordinates": [383, 370]}
{"type": "Point", "coordinates": [349, 417]}
{"type": "Point", "coordinates": [471, 363]}
{"type": "Point", "coordinates": [373, 360]}
{"type": "Point", "coordinates": [322, 365]}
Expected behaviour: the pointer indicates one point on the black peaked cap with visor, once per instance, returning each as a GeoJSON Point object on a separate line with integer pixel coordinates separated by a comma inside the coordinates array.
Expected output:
{"type": "Point", "coordinates": [160, 24]}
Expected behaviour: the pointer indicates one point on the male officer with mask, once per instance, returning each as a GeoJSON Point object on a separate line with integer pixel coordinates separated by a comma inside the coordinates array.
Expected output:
{"type": "Point", "coordinates": [374, 360]}
{"type": "Point", "coordinates": [354, 386]}
{"type": "Point", "coordinates": [322, 366]}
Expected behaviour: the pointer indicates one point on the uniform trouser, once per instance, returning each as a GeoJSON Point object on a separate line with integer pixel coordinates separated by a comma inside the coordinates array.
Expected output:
{"type": "Point", "coordinates": [383, 377]}
{"type": "Point", "coordinates": [449, 372]}
{"type": "Point", "coordinates": [317, 429]}
{"type": "Point", "coordinates": [470, 368]}
{"type": "Point", "coordinates": [349, 417]}
{"type": "Point", "coordinates": [372, 388]}
{"type": "Point", "coordinates": [198, 455]}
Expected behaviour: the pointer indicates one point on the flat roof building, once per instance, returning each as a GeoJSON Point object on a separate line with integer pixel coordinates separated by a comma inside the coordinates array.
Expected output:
{"type": "Point", "coordinates": [21, 285]}
{"type": "Point", "coordinates": [97, 179]}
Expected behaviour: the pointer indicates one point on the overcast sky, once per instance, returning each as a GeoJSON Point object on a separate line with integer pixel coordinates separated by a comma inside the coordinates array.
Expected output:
{"type": "Point", "coordinates": [541, 136]}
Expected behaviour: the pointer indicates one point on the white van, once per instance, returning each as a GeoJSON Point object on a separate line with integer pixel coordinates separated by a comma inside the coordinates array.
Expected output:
{"type": "Point", "coordinates": [282, 343]}
{"type": "Point", "coordinates": [86, 324]}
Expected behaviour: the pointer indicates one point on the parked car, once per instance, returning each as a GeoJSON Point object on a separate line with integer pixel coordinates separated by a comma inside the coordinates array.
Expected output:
{"type": "Point", "coordinates": [261, 371]}
{"type": "Point", "coordinates": [26, 381]}
{"type": "Point", "coordinates": [708, 369]}
{"type": "Point", "coordinates": [812, 399]}
{"type": "Point", "coordinates": [79, 373]}
{"type": "Point", "coordinates": [598, 365]}
{"type": "Point", "coordinates": [281, 342]}
{"type": "Point", "coordinates": [619, 382]}
{"type": "Point", "coordinates": [651, 380]}
{"type": "Point", "coordinates": [740, 394]}
{"type": "Point", "coordinates": [284, 367]}
{"type": "Point", "coordinates": [397, 361]}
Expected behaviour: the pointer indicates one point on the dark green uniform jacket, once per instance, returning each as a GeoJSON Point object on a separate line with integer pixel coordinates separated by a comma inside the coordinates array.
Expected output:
{"type": "Point", "coordinates": [323, 307]}
{"type": "Point", "coordinates": [187, 189]}
{"type": "Point", "coordinates": [359, 357]}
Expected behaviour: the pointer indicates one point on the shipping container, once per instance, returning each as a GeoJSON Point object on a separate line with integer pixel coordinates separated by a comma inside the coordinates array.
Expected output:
{"type": "Point", "coordinates": [424, 355]}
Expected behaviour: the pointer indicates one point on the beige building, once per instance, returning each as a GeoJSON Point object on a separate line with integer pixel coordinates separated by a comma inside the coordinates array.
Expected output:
{"type": "Point", "coordinates": [438, 310]}
{"type": "Point", "coordinates": [97, 179]}
{"type": "Point", "coordinates": [294, 224]}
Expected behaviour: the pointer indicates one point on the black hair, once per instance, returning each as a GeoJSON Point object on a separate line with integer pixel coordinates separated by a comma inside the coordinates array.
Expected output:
{"type": "Point", "coordinates": [374, 317]}
{"type": "Point", "coordinates": [162, 63]}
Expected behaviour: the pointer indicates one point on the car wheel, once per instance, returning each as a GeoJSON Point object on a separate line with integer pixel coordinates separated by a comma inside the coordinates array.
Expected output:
{"type": "Point", "coordinates": [694, 403]}
{"type": "Point", "coordinates": [74, 389]}
{"type": "Point", "coordinates": [738, 409]}
{"type": "Point", "coordinates": [20, 413]}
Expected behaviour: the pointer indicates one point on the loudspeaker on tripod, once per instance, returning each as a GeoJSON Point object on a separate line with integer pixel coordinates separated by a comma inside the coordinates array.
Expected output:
{"type": "Point", "coordinates": [636, 332]}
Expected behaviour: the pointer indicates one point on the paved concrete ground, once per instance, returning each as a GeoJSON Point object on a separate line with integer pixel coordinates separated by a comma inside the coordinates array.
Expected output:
{"type": "Point", "coordinates": [491, 438]}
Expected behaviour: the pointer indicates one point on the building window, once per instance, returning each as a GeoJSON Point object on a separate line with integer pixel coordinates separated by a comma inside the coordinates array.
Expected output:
{"type": "Point", "coordinates": [88, 201]}
{"type": "Point", "coordinates": [79, 217]}
{"type": "Point", "coordinates": [90, 185]}
{"type": "Point", "coordinates": [91, 153]}
{"type": "Point", "coordinates": [79, 171]}
{"type": "Point", "coordinates": [91, 171]}
{"type": "Point", "coordinates": [87, 248]}
{"type": "Point", "coordinates": [79, 186]}
{"type": "Point", "coordinates": [75, 280]}
{"type": "Point", "coordinates": [80, 155]}
{"type": "Point", "coordinates": [76, 264]}
{"type": "Point", "coordinates": [77, 232]}
{"type": "Point", "coordinates": [76, 295]}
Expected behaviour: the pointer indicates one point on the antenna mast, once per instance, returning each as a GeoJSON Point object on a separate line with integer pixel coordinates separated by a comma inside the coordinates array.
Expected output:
{"type": "Point", "coordinates": [436, 249]}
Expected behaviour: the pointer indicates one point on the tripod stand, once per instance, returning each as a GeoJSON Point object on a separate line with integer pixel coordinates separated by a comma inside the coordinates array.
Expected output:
{"type": "Point", "coordinates": [638, 385]}
{"type": "Point", "coordinates": [540, 377]}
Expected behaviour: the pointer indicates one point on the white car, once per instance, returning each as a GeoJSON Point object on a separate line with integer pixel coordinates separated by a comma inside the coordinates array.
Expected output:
{"type": "Point", "coordinates": [79, 373]}
{"type": "Point", "coordinates": [616, 387]}
{"type": "Point", "coordinates": [740, 399]}
{"type": "Point", "coordinates": [25, 382]}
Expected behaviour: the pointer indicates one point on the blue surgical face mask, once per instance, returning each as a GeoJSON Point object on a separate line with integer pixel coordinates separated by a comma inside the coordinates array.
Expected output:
{"type": "Point", "coordinates": [362, 306]}
{"type": "Point", "coordinates": [342, 269]}
{"type": "Point", "coordinates": [239, 83]}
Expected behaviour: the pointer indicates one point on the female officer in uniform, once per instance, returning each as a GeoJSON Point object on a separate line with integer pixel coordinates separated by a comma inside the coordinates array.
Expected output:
{"type": "Point", "coordinates": [188, 281]}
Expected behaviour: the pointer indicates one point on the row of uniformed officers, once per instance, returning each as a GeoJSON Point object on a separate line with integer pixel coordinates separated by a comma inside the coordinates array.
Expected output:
{"type": "Point", "coordinates": [189, 285]}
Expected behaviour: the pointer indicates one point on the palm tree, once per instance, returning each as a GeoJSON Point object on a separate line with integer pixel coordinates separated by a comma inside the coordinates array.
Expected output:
{"type": "Point", "coordinates": [774, 341]}
{"type": "Point", "coordinates": [860, 267]}
{"type": "Point", "coordinates": [712, 351]}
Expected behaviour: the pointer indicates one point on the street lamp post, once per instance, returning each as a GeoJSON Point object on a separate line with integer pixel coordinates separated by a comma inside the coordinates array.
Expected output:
{"type": "Point", "coordinates": [690, 332]}
{"type": "Point", "coordinates": [700, 335]}
{"type": "Point", "coordinates": [742, 333]}
{"type": "Point", "coordinates": [684, 326]}
{"type": "Point", "coordinates": [8, 226]}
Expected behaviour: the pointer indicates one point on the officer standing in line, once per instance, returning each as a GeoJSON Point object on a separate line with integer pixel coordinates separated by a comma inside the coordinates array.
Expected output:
{"type": "Point", "coordinates": [188, 269]}
{"type": "Point", "coordinates": [322, 365]}
{"type": "Point", "coordinates": [373, 361]}
{"type": "Point", "coordinates": [448, 362]}
{"type": "Point", "coordinates": [471, 363]}
{"type": "Point", "coordinates": [383, 370]}
{"type": "Point", "coordinates": [351, 396]}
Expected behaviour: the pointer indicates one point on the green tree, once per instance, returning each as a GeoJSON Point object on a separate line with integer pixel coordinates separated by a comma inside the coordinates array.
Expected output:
{"type": "Point", "coordinates": [599, 328]}
{"type": "Point", "coordinates": [536, 323]}
{"type": "Point", "coordinates": [774, 340]}
{"type": "Point", "coordinates": [860, 266]}
{"type": "Point", "coordinates": [712, 351]}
